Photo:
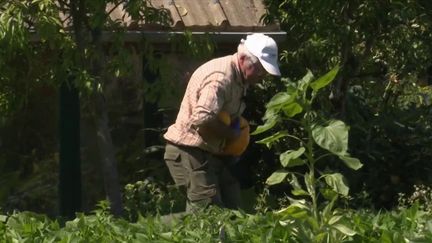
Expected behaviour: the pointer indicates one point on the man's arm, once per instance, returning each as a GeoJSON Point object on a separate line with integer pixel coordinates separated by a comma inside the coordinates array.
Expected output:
{"type": "Point", "coordinates": [215, 127]}
{"type": "Point", "coordinates": [205, 115]}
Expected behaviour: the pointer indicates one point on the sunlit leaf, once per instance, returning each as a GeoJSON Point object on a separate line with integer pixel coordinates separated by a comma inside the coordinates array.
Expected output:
{"type": "Point", "coordinates": [305, 81]}
{"type": "Point", "coordinates": [345, 229]}
{"type": "Point", "coordinates": [290, 158]}
{"type": "Point", "coordinates": [277, 177]}
{"type": "Point", "coordinates": [328, 193]}
{"type": "Point", "coordinates": [268, 141]}
{"type": "Point", "coordinates": [292, 109]}
{"type": "Point", "coordinates": [271, 114]}
{"type": "Point", "coordinates": [269, 124]}
{"type": "Point", "coordinates": [279, 100]}
{"type": "Point", "coordinates": [333, 137]}
{"type": "Point", "coordinates": [351, 162]}
{"type": "Point", "coordinates": [337, 183]}
{"type": "Point", "coordinates": [334, 219]}
{"type": "Point", "coordinates": [294, 211]}
{"type": "Point", "coordinates": [327, 211]}
{"type": "Point", "coordinates": [297, 189]}
{"type": "Point", "coordinates": [325, 79]}
{"type": "Point", "coordinates": [299, 192]}
{"type": "Point", "coordinates": [321, 237]}
{"type": "Point", "coordinates": [309, 182]}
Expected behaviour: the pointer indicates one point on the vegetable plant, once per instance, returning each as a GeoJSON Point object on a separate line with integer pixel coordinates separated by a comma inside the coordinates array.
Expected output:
{"type": "Point", "coordinates": [313, 138]}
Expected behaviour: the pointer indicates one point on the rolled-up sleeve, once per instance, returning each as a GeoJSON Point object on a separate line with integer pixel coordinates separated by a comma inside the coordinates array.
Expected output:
{"type": "Point", "coordinates": [210, 102]}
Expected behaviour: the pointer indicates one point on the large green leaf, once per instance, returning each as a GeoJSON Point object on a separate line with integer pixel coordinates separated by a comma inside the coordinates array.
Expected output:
{"type": "Point", "coordinates": [269, 124]}
{"type": "Point", "coordinates": [333, 137]}
{"type": "Point", "coordinates": [271, 113]}
{"type": "Point", "coordinates": [334, 219]}
{"type": "Point", "coordinates": [309, 180]}
{"type": "Point", "coordinates": [325, 79]}
{"type": "Point", "coordinates": [351, 162]}
{"type": "Point", "coordinates": [304, 83]}
{"type": "Point", "coordinates": [268, 141]}
{"type": "Point", "coordinates": [299, 192]}
{"type": "Point", "coordinates": [290, 158]}
{"type": "Point", "coordinates": [344, 229]}
{"type": "Point", "coordinates": [296, 211]}
{"type": "Point", "coordinates": [297, 189]}
{"type": "Point", "coordinates": [277, 177]}
{"type": "Point", "coordinates": [337, 183]}
{"type": "Point", "coordinates": [328, 212]}
{"type": "Point", "coordinates": [292, 109]}
{"type": "Point", "coordinates": [321, 237]}
{"type": "Point", "coordinates": [280, 99]}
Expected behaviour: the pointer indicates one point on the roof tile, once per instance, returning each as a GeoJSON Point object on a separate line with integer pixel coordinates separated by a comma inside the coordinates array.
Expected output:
{"type": "Point", "coordinates": [208, 15]}
{"type": "Point", "coordinates": [199, 15]}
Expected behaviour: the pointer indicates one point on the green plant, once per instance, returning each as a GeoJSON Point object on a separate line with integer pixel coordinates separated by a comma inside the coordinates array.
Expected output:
{"type": "Point", "coordinates": [384, 59]}
{"type": "Point", "coordinates": [315, 138]}
{"type": "Point", "coordinates": [212, 225]}
{"type": "Point", "coordinates": [421, 196]}
{"type": "Point", "coordinates": [390, 135]}
{"type": "Point", "coordinates": [148, 197]}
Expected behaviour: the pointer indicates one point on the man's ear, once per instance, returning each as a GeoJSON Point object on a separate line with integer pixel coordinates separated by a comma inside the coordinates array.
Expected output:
{"type": "Point", "coordinates": [242, 59]}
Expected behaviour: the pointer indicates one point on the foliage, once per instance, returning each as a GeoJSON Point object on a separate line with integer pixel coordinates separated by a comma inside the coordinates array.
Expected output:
{"type": "Point", "coordinates": [40, 49]}
{"type": "Point", "coordinates": [328, 32]}
{"type": "Point", "coordinates": [37, 193]}
{"type": "Point", "coordinates": [385, 61]}
{"type": "Point", "coordinates": [218, 225]}
{"type": "Point", "coordinates": [293, 109]}
{"type": "Point", "coordinates": [380, 91]}
{"type": "Point", "coordinates": [391, 135]}
{"type": "Point", "coordinates": [34, 66]}
{"type": "Point", "coordinates": [28, 159]}
{"type": "Point", "coordinates": [420, 197]}
{"type": "Point", "coordinates": [149, 197]}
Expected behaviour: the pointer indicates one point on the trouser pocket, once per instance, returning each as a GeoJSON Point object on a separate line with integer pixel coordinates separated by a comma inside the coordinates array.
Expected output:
{"type": "Point", "coordinates": [203, 182]}
{"type": "Point", "coordinates": [173, 160]}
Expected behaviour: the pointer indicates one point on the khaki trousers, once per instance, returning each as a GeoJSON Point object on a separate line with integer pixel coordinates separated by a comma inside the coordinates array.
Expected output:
{"type": "Point", "coordinates": [206, 177]}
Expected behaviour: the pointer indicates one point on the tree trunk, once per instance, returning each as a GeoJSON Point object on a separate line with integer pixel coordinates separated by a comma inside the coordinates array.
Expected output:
{"type": "Point", "coordinates": [107, 155]}
{"type": "Point", "coordinates": [93, 64]}
{"type": "Point", "coordinates": [105, 143]}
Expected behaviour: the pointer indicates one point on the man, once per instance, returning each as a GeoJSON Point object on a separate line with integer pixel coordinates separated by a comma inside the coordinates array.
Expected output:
{"type": "Point", "coordinates": [196, 139]}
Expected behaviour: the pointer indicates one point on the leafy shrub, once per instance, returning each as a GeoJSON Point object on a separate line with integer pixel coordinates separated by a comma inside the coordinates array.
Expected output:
{"type": "Point", "coordinates": [421, 196]}
{"type": "Point", "coordinates": [149, 197]}
{"type": "Point", "coordinates": [313, 138]}
{"type": "Point", "coordinates": [392, 138]}
{"type": "Point", "coordinates": [219, 225]}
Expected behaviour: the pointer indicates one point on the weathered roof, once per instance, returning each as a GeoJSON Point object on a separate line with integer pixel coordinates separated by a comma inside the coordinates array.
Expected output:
{"type": "Point", "coordinates": [204, 15]}
{"type": "Point", "coordinates": [225, 20]}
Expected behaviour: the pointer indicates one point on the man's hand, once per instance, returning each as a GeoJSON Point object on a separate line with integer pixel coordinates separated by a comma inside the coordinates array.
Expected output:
{"type": "Point", "coordinates": [235, 124]}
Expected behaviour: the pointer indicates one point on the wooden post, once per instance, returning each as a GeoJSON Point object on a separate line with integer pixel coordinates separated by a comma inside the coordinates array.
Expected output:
{"type": "Point", "coordinates": [70, 162]}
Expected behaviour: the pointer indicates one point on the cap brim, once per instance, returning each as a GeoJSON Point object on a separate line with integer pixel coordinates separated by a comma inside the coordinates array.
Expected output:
{"type": "Point", "coordinates": [271, 67]}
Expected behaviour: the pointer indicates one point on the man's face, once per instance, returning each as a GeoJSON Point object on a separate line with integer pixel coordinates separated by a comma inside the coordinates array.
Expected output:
{"type": "Point", "coordinates": [252, 72]}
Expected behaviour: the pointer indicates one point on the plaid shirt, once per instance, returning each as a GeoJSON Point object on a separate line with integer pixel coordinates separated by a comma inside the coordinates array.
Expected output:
{"type": "Point", "coordinates": [215, 86]}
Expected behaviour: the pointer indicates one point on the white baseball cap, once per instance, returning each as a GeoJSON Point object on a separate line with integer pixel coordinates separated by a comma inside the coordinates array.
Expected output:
{"type": "Point", "coordinates": [266, 50]}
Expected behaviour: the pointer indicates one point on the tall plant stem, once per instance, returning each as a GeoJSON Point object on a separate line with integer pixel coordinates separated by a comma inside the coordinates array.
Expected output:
{"type": "Point", "coordinates": [311, 161]}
